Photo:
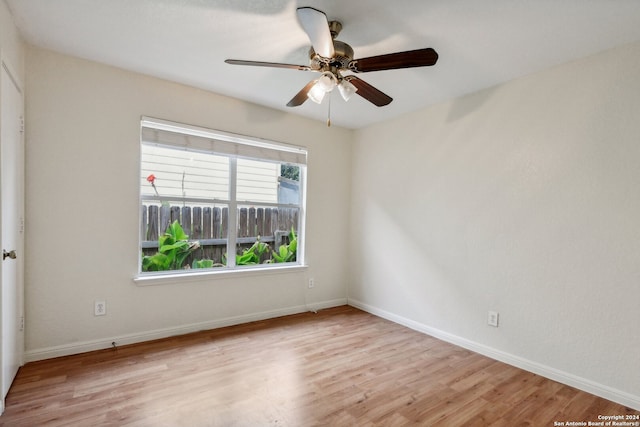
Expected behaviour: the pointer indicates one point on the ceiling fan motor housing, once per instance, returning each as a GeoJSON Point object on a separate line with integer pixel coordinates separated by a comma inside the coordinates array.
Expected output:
{"type": "Point", "coordinates": [341, 60]}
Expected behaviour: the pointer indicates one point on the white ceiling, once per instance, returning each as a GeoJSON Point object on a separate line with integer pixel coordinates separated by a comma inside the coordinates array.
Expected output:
{"type": "Point", "coordinates": [480, 43]}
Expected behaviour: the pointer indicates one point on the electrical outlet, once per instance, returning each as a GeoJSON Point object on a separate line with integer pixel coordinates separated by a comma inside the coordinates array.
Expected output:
{"type": "Point", "coordinates": [100, 308]}
{"type": "Point", "coordinates": [492, 319]}
{"type": "Point", "coordinates": [311, 283]}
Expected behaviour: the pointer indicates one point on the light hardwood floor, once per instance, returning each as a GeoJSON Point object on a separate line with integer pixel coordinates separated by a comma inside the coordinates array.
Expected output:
{"type": "Point", "coordinates": [339, 367]}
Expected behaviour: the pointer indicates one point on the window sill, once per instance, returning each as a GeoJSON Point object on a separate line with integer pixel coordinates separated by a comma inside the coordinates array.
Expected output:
{"type": "Point", "coordinates": [199, 276]}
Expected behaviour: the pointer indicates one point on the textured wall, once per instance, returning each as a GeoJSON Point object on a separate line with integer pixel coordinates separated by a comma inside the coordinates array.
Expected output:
{"type": "Point", "coordinates": [522, 199]}
{"type": "Point", "coordinates": [82, 208]}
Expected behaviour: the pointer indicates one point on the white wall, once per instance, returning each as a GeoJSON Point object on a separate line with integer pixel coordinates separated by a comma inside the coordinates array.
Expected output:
{"type": "Point", "coordinates": [524, 199]}
{"type": "Point", "coordinates": [11, 47]}
{"type": "Point", "coordinates": [83, 122]}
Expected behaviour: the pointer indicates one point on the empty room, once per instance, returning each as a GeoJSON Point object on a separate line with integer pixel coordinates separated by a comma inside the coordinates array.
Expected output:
{"type": "Point", "coordinates": [296, 213]}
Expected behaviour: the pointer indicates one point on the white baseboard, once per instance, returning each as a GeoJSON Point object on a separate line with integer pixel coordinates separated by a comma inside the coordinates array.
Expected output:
{"type": "Point", "coordinates": [580, 383]}
{"type": "Point", "coordinates": [100, 344]}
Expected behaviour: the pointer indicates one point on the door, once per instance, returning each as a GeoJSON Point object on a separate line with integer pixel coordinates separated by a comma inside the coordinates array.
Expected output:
{"type": "Point", "coordinates": [11, 212]}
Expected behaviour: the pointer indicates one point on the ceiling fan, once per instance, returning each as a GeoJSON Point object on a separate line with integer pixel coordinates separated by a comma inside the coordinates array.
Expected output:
{"type": "Point", "coordinates": [332, 58]}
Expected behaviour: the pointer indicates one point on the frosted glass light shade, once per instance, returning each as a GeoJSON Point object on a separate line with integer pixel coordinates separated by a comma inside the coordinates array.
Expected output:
{"type": "Point", "coordinates": [327, 81]}
{"type": "Point", "coordinates": [324, 84]}
{"type": "Point", "coordinates": [316, 93]}
{"type": "Point", "coordinates": [346, 89]}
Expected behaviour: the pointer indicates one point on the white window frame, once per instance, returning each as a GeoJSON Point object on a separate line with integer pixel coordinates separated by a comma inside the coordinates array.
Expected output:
{"type": "Point", "coordinates": [232, 146]}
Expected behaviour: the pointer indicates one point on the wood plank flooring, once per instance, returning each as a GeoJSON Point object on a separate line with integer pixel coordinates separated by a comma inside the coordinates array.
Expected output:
{"type": "Point", "coordinates": [339, 367]}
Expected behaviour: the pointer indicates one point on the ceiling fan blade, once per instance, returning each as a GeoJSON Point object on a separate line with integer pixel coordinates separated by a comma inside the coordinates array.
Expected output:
{"type": "Point", "coordinates": [315, 24]}
{"type": "Point", "coordinates": [301, 96]}
{"type": "Point", "coordinates": [369, 92]}
{"type": "Point", "coordinates": [267, 64]}
{"type": "Point", "coordinates": [392, 61]}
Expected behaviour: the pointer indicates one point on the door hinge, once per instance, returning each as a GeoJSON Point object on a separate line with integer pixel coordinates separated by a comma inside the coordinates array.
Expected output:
{"type": "Point", "coordinates": [21, 224]}
{"type": "Point", "coordinates": [21, 323]}
{"type": "Point", "coordinates": [21, 124]}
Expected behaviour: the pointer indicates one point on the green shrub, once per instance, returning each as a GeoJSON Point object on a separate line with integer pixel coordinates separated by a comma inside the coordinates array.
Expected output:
{"type": "Point", "coordinates": [287, 253]}
{"type": "Point", "coordinates": [174, 248]}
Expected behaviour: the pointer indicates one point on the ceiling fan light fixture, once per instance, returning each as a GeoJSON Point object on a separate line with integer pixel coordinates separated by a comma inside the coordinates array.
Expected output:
{"type": "Point", "coordinates": [316, 93]}
{"type": "Point", "coordinates": [327, 81]}
{"type": "Point", "coordinates": [346, 89]}
{"type": "Point", "coordinates": [324, 84]}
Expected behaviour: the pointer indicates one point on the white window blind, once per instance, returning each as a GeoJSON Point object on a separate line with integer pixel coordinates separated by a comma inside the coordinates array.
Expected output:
{"type": "Point", "coordinates": [196, 138]}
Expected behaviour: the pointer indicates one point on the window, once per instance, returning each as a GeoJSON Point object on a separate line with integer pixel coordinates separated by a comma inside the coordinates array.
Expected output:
{"type": "Point", "coordinates": [206, 194]}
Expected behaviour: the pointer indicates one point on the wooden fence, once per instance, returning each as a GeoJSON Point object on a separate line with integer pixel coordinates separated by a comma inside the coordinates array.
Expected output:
{"type": "Point", "coordinates": [209, 226]}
